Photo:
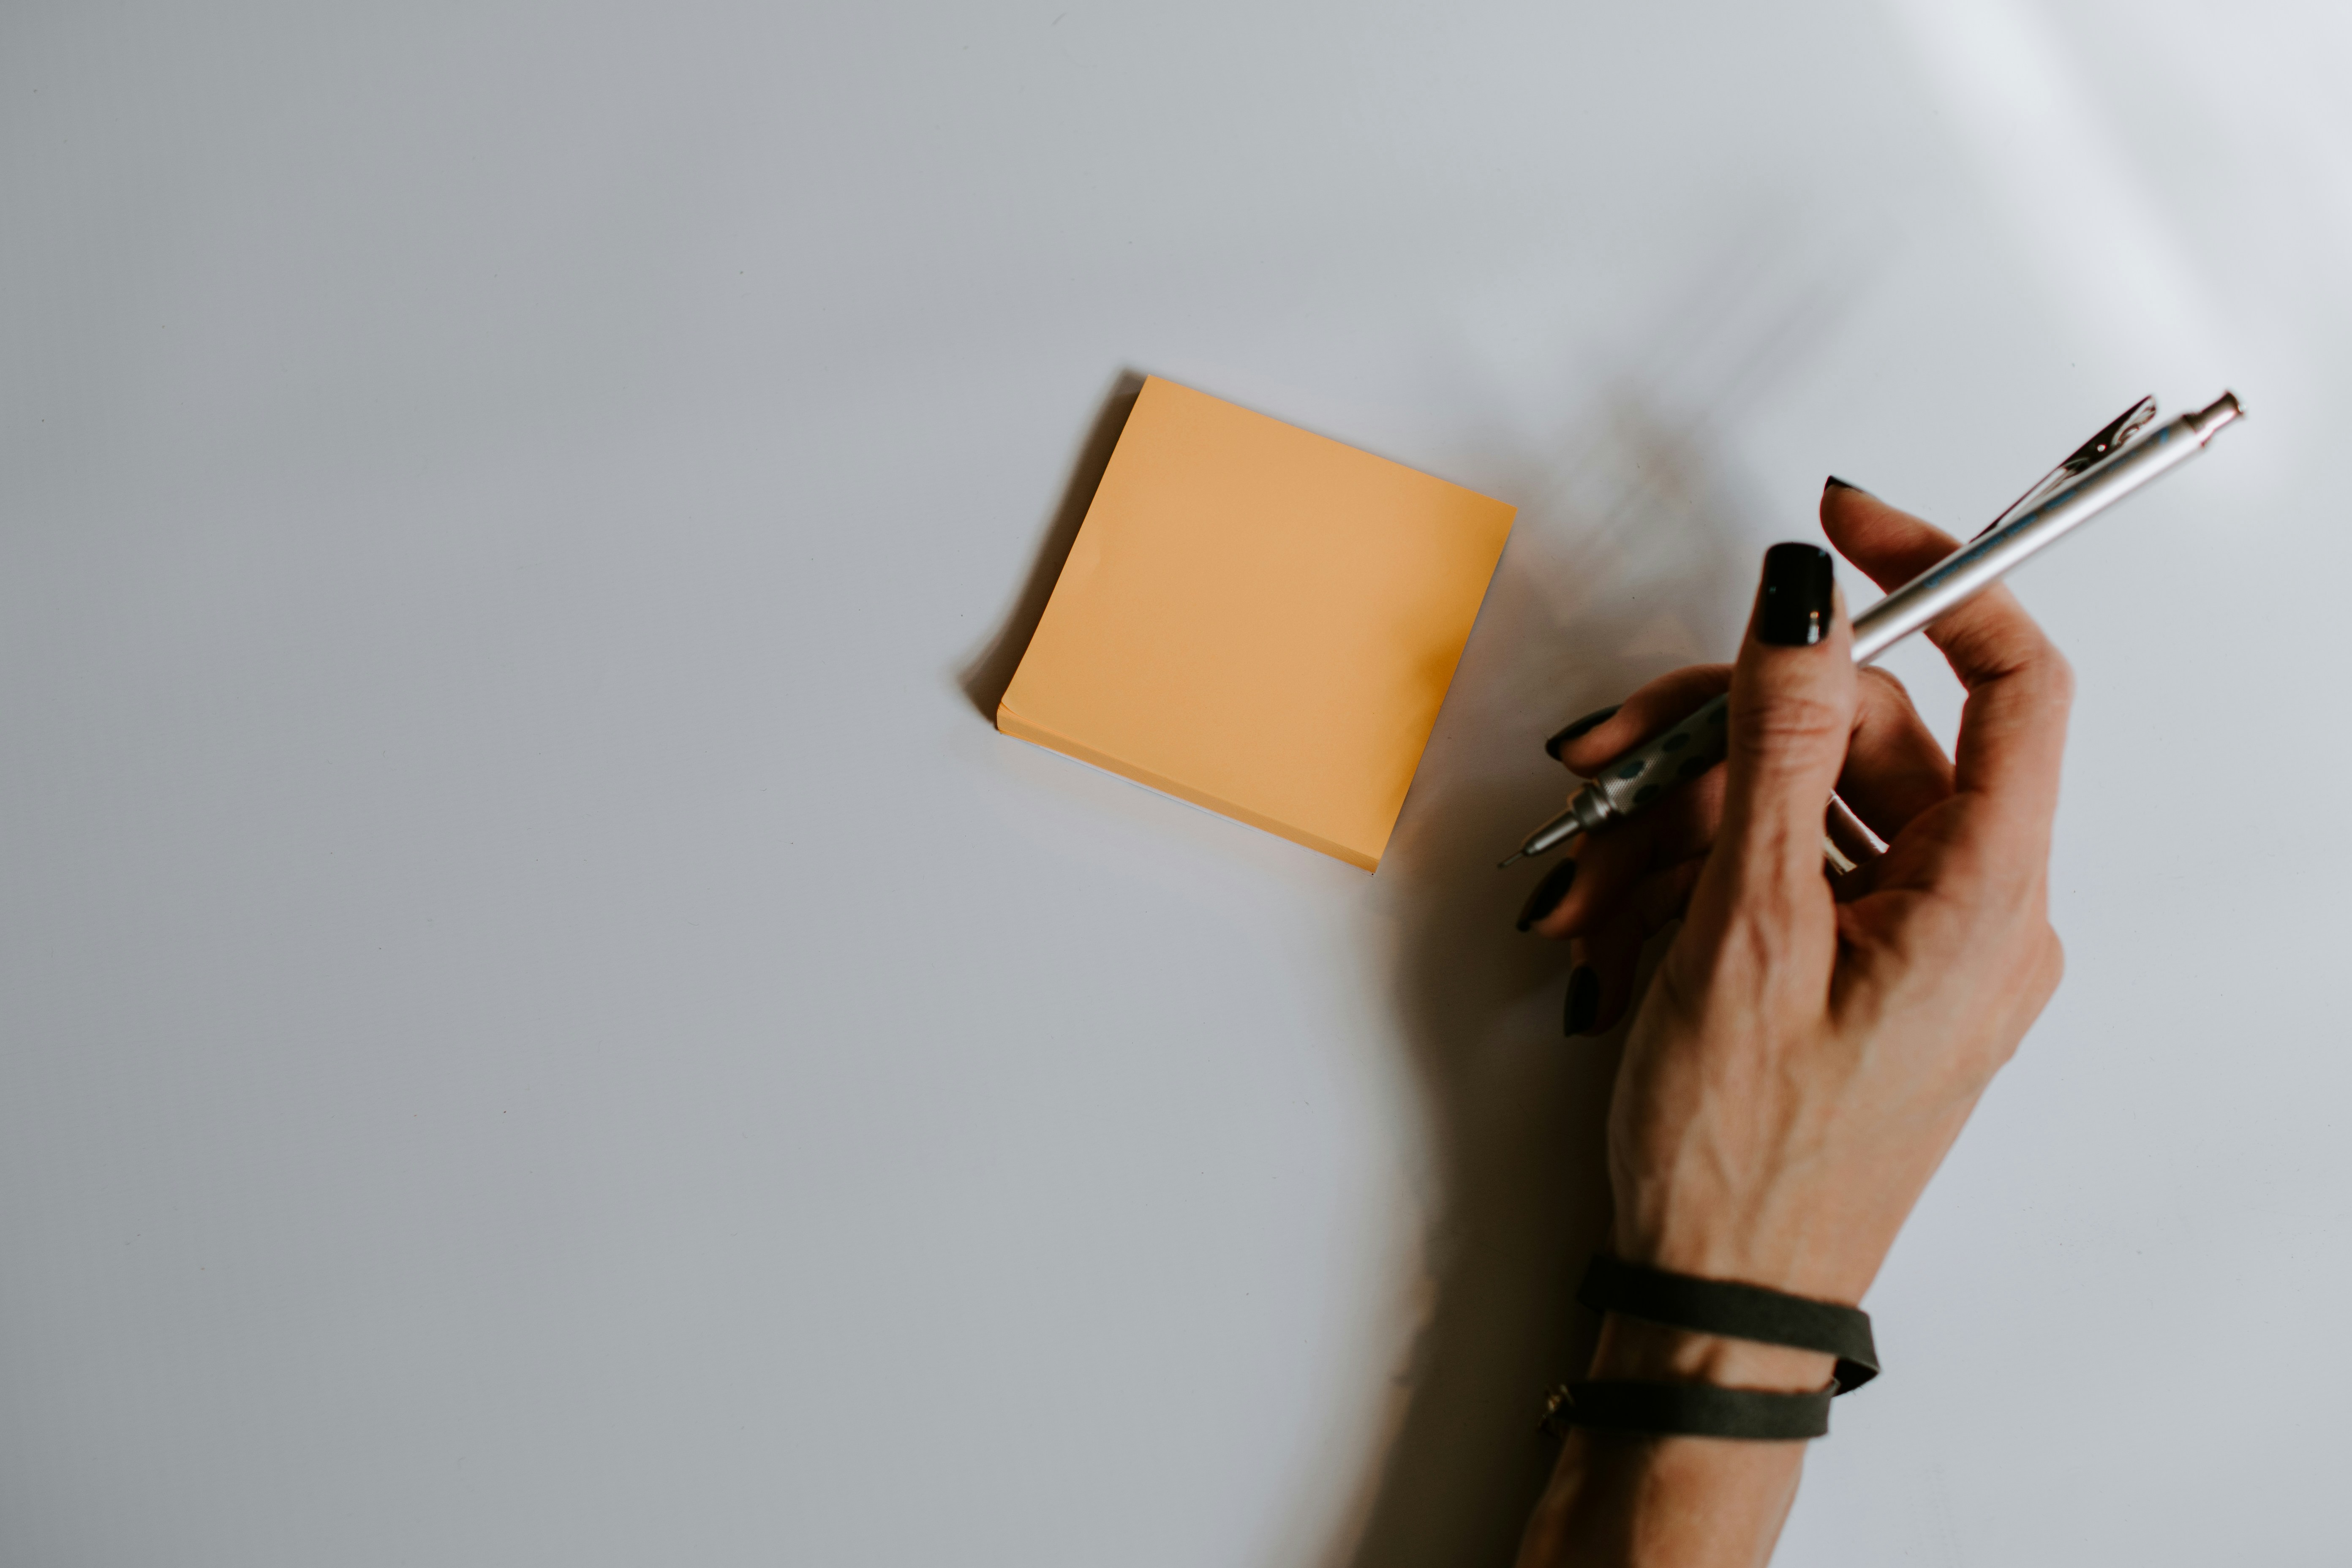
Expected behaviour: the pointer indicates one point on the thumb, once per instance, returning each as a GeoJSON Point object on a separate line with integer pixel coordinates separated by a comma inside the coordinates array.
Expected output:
{"type": "Point", "coordinates": [1792, 705]}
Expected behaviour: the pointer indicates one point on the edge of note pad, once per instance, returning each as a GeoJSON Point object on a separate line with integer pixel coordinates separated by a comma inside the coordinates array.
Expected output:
{"type": "Point", "coordinates": [1369, 827]}
{"type": "Point", "coordinates": [1011, 724]}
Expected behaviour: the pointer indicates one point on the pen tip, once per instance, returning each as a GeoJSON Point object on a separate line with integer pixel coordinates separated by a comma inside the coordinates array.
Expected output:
{"type": "Point", "coordinates": [1506, 865]}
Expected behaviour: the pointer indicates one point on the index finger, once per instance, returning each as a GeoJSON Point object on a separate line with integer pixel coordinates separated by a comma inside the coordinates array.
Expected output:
{"type": "Point", "coordinates": [2013, 726]}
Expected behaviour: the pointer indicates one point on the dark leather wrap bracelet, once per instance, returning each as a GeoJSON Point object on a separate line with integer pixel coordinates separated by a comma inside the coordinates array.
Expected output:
{"type": "Point", "coordinates": [1734, 1311]}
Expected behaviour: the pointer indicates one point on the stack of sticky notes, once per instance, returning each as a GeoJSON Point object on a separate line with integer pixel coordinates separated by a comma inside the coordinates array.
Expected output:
{"type": "Point", "coordinates": [1258, 620]}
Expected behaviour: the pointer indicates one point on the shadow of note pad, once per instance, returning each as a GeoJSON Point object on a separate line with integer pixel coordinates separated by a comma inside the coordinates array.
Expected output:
{"type": "Point", "coordinates": [1258, 620]}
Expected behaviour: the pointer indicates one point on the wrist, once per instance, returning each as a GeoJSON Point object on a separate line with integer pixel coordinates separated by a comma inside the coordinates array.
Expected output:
{"type": "Point", "coordinates": [1632, 1349]}
{"type": "Point", "coordinates": [1832, 1258]}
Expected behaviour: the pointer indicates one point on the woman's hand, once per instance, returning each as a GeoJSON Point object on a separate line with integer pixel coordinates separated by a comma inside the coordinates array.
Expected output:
{"type": "Point", "coordinates": [1807, 1052]}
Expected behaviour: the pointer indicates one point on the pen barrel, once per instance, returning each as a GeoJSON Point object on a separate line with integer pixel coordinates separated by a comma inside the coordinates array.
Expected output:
{"type": "Point", "coordinates": [1641, 775]}
{"type": "Point", "coordinates": [1634, 780]}
{"type": "Point", "coordinates": [1699, 743]}
{"type": "Point", "coordinates": [1975, 566]}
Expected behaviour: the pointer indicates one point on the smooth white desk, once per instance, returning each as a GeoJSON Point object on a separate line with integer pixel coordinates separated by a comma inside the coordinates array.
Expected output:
{"type": "Point", "coordinates": [538, 1023]}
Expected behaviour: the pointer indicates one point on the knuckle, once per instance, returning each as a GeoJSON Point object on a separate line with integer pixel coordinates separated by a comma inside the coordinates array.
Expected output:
{"type": "Point", "coordinates": [2060, 677]}
{"type": "Point", "coordinates": [2054, 960]}
{"type": "Point", "coordinates": [1885, 680]}
{"type": "Point", "coordinates": [2045, 965]}
{"type": "Point", "coordinates": [1783, 722]}
{"type": "Point", "coordinates": [2012, 649]}
{"type": "Point", "coordinates": [1882, 698]}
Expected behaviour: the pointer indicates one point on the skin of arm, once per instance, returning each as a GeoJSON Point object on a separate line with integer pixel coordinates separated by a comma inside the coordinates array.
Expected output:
{"type": "Point", "coordinates": [1808, 1051]}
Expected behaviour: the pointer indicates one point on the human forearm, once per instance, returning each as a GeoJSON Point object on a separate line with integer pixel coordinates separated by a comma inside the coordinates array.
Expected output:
{"type": "Point", "coordinates": [1809, 1049]}
{"type": "Point", "coordinates": [1672, 1502]}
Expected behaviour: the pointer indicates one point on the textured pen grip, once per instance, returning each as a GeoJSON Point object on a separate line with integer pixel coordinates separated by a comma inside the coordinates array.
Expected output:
{"type": "Point", "coordinates": [1685, 751]}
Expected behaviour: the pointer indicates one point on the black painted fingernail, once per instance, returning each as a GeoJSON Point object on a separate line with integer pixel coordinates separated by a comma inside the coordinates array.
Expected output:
{"type": "Point", "coordinates": [1793, 607]}
{"type": "Point", "coordinates": [1589, 723]}
{"type": "Point", "coordinates": [1547, 893]}
{"type": "Point", "coordinates": [1834, 483]}
{"type": "Point", "coordinates": [1583, 1000]}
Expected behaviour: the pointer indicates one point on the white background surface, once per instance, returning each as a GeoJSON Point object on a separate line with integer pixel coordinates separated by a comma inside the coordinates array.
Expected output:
{"type": "Point", "coordinates": [538, 1023]}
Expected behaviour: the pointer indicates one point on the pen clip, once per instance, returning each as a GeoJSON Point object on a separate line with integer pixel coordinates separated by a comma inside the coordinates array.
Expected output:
{"type": "Point", "coordinates": [2112, 437]}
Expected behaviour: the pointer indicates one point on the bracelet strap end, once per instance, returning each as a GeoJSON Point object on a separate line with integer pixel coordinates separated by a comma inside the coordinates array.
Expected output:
{"type": "Point", "coordinates": [1735, 1312]}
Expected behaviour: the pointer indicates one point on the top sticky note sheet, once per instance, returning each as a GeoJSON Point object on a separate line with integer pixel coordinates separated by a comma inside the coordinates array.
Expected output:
{"type": "Point", "coordinates": [1258, 620]}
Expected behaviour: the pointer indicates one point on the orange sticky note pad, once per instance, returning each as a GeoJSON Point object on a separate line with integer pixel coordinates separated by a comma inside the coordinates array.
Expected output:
{"type": "Point", "coordinates": [1258, 620]}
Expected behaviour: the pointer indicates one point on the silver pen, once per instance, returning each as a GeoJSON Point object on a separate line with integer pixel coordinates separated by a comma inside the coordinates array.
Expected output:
{"type": "Point", "coordinates": [2110, 465]}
